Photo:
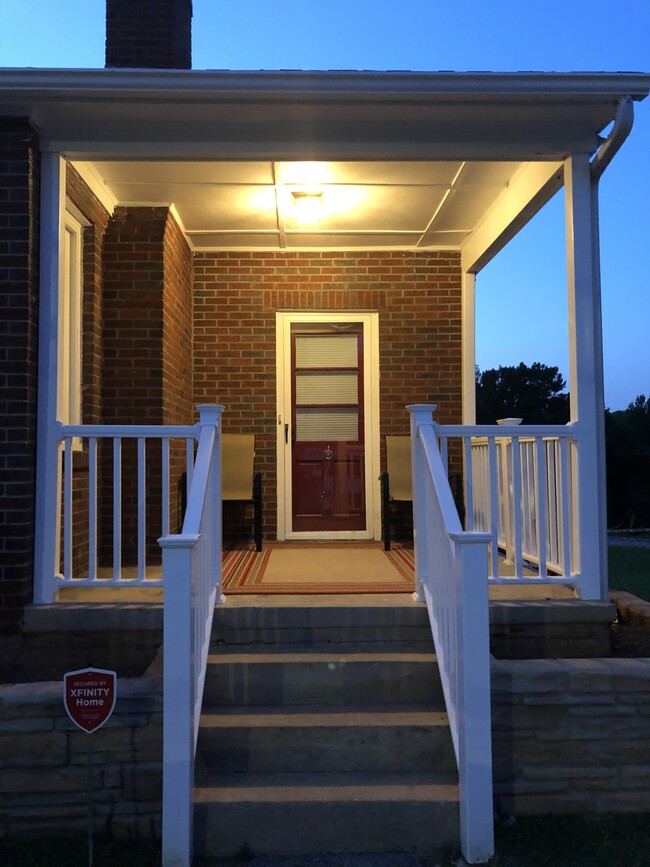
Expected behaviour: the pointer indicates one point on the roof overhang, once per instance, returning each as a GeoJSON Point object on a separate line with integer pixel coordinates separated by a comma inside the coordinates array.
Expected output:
{"type": "Point", "coordinates": [431, 160]}
{"type": "Point", "coordinates": [317, 115]}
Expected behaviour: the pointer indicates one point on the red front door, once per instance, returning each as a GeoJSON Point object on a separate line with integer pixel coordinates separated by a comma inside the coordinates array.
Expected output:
{"type": "Point", "coordinates": [328, 467]}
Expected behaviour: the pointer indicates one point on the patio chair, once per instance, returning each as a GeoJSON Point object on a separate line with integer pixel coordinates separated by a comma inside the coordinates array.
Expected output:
{"type": "Point", "coordinates": [239, 481]}
{"type": "Point", "coordinates": [396, 482]}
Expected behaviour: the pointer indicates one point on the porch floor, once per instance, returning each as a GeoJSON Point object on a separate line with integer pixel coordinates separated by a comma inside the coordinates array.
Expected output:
{"type": "Point", "coordinates": [318, 568]}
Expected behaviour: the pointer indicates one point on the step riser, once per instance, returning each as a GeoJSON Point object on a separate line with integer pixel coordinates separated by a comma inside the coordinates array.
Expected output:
{"type": "Point", "coordinates": [350, 826]}
{"type": "Point", "coordinates": [327, 749]}
{"type": "Point", "coordinates": [323, 683]}
{"type": "Point", "coordinates": [415, 638]}
{"type": "Point", "coordinates": [320, 626]}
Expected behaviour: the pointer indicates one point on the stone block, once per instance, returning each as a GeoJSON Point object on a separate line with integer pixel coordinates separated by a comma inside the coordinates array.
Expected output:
{"type": "Point", "coordinates": [143, 783]}
{"type": "Point", "coordinates": [33, 749]}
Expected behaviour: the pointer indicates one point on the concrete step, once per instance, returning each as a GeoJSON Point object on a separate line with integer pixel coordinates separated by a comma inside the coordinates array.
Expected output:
{"type": "Point", "coordinates": [245, 621]}
{"type": "Point", "coordinates": [326, 813]}
{"type": "Point", "coordinates": [293, 740]}
{"type": "Point", "coordinates": [322, 678]}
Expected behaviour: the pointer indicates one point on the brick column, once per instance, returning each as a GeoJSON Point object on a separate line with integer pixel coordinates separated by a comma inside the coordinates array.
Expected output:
{"type": "Point", "coordinates": [19, 214]}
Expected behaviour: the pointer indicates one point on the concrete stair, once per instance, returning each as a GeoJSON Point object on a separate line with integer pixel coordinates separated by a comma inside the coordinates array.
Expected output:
{"type": "Point", "coordinates": [323, 731]}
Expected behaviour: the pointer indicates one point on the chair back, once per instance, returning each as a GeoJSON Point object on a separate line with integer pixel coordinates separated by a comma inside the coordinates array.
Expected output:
{"type": "Point", "coordinates": [237, 466]}
{"type": "Point", "coordinates": [398, 465]}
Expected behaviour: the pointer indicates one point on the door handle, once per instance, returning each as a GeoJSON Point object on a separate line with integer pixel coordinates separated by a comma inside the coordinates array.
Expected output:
{"type": "Point", "coordinates": [286, 434]}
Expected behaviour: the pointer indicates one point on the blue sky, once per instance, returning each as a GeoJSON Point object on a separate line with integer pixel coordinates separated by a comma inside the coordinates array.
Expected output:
{"type": "Point", "coordinates": [521, 295]}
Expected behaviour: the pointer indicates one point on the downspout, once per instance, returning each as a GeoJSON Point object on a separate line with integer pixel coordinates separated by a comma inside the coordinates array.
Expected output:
{"type": "Point", "coordinates": [623, 120]}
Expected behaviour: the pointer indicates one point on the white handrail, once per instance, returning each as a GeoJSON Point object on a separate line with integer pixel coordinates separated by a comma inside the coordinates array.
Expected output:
{"type": "Point", "coordinates": [192, 576]}
{"type": "Point", "coordinates": [451, 577]}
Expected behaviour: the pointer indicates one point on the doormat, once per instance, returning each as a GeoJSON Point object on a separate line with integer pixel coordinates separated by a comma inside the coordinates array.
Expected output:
{"type": "Point", "coordinates": [318, 568]}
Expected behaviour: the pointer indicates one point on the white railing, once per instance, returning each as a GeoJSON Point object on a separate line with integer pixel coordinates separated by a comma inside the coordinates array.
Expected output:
{"type": "Point", "coordinates": [114, 496]}
{"type": "Point", "coordinates": [192, 576]}
{"type": "Point", "coordinates": [451, 575]}
{"type": "Point", "coordinates": [520, 488]}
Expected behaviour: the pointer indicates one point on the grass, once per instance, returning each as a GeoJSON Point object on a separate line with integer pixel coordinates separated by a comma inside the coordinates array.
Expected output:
{"type": "Point", "coordinates": [548, 841]}
{"type": "Point", "coordinates": [629, 569]}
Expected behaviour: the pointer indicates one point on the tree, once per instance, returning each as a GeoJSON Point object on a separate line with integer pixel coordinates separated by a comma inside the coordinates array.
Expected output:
{"type": "Point", "coordinates": [627, 436]}
{"type": "Point", "coordinates": [534, 394]}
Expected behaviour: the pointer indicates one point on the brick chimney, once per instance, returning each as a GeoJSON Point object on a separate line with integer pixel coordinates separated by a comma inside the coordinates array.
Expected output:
{"type": "Point", "coordinates": [149, 34]}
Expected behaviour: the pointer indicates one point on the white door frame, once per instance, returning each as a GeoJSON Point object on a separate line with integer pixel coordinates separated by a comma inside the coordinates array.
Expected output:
{"type": "Point", "coordinates": [370, 323]}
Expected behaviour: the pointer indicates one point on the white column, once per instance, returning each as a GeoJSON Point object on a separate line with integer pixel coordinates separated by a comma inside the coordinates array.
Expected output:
{"type": "Point", "coordinates": [469, 347]}
{"type": "Point", "coordinates": [586, 371]}
{"type": "Point", "coordinates": [47, 530]}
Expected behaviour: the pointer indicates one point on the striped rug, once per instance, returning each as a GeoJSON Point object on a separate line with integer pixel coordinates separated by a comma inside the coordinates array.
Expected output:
{"type": "Point", "coordinates": [318, 568]}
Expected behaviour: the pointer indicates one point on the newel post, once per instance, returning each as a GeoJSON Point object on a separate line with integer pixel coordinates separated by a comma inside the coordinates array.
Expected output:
{"type": "Point", "coordinates": [421, 414]}
{"type": "Point", "coordinates": [210, 416]}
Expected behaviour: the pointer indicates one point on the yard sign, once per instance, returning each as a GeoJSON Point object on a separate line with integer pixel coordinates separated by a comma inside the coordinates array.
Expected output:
{"type": "Point", "coordinates": [89, 695]}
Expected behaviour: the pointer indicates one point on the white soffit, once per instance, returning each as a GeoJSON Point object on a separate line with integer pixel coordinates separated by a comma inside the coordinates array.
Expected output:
{"type": "Point", "coordinates": [365, 204]}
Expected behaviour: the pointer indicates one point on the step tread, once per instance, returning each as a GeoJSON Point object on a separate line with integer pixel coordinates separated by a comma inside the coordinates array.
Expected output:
{"type": "Point", "coordinates": [268, 788]}
{"type": "Point", "coordinates": [280, 655]}
{"type": "Point", "coordinates": [298, 717]}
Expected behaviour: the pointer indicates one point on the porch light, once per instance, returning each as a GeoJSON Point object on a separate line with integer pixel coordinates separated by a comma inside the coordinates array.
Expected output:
{"type": "Point", "coordinates": [307, 207]}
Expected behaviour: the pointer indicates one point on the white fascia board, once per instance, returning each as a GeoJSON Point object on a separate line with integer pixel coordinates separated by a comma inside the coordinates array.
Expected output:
{"type": "Point", "coordinates": [175, 84]}
{"type": "Point", "coordinates": [531, 188]}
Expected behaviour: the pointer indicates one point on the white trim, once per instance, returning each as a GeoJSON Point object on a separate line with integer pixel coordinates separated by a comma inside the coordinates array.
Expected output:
{"type": "Point", "coordinates": [96, 183]}
{"type": "Point", "coordinates": [370, 322]}
{"type": "Point", "coordinates": [533, 185]}
{"type": "Point", "coordinates": [69, 322]}
{"type": "Point", "coordinates": [48, 492]}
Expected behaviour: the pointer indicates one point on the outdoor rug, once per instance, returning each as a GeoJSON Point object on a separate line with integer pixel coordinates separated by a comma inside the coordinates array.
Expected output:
{"type": "Point", "coordinates": [286, 568]}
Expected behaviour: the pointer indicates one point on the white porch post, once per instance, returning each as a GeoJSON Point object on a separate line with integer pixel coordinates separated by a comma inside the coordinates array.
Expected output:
{"type": "Point", "coordinates": [586, 371]}
{"type": "Point", "coordinates": [468, 336]}
{"type": "Point", "coordinates": [46, 544]}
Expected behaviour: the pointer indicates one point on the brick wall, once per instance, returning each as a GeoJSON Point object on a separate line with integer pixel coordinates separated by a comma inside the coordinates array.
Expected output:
{"type": "Point", "coordinates": [236, 296]}
{"type": "Point", "coordinates": [19, 252]}
{"type": "Point", "coordinates": [155, 34]}
{"type": "Point", "coordinates": [147, 373]}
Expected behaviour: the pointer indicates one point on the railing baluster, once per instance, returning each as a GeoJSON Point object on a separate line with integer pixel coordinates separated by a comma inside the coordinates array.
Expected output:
{"type": "Point", "coordinates": [516, 506]}
{"type": "Point", "coordinates": [142, 508]}
{"type": "Point", "coordinates": [92, 509]}
{"type": "Point", "coordinates": [541, 501]}
{"type": "Point", "coordinates": [566, 507]}
{"type": "Point", "coordinates": [164, 458]}
{"type": "Point", "coordinates": [67, 510]}
{"type": "Point", "coordinates": [493, 488]}
{"type": "Point", "coordinates": [189, 461]}
{"type": "Point", "coordinates": [117, 508]}
{"type": "Point", "coordinates": [469, 484]}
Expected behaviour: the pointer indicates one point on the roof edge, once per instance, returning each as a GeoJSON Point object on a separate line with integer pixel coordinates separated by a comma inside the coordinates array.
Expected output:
{"type": "Point", "coordinates": [147, 83]}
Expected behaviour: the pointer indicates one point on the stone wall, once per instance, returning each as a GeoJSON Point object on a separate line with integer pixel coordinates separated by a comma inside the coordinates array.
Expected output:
{"type": "Point", "coordinates": [44, 756]}
{"type": "Point", "coordinates": [571, 735]}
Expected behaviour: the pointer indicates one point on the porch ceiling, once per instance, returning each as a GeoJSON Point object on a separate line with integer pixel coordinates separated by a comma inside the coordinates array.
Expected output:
{"type": "Point", "coordinates": [363, 205]}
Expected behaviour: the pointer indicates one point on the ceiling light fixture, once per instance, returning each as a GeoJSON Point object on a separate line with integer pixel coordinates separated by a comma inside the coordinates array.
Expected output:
{"type": "Point", "coordinates": [307, 206]}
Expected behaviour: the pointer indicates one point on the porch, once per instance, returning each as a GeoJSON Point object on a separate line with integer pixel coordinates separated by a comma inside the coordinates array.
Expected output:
{"type": "Point", "coordinates": [193, 315]}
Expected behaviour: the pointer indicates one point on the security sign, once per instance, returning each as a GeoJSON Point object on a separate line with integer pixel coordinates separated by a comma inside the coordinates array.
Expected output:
{"type": "Point", "coordinates": [89, 696]}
